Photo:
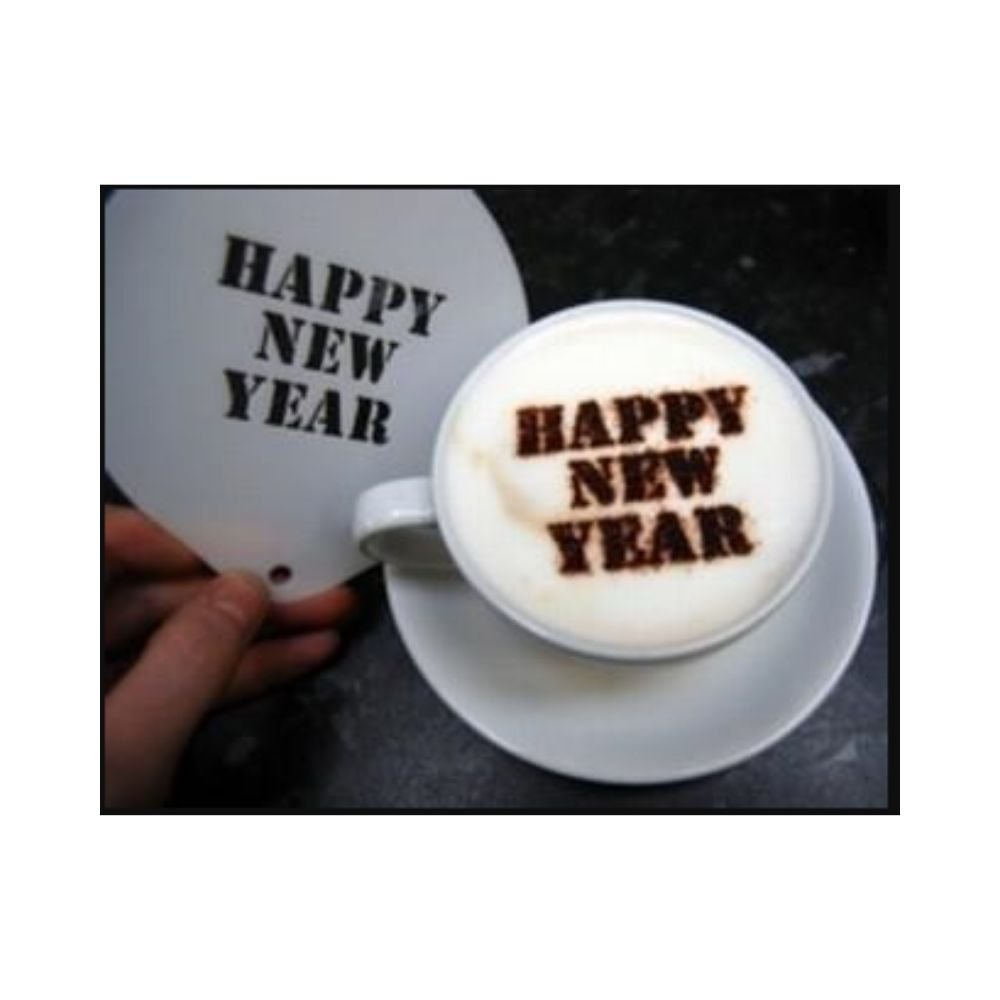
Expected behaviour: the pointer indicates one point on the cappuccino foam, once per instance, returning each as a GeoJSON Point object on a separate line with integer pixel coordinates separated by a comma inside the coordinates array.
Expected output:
{"type": "Point", "coordinates": [631, 477]}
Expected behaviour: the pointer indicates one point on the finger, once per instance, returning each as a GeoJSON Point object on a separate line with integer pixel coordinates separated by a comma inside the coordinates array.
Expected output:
{"type": "Point", "coordinates": [336, 606]}
{"type": "Point", "coordinates": [185, 668]}
{"type": "Point", "coordinates": [277, 661]}
{"type": "Point", "coordinates": [111, 671]}
{"type": "Point", "coordinates": [132, 612]}
{"type": "Point", "coordinates": [135, 544]}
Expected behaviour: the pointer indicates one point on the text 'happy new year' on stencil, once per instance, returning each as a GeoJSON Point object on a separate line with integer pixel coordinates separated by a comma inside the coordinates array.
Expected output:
{"type": "Point", "coordinates": [270, 354]}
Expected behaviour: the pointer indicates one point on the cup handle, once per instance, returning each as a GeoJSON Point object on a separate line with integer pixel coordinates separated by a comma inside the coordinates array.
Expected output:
{"type": "Point", "coordinates": [395, 523]}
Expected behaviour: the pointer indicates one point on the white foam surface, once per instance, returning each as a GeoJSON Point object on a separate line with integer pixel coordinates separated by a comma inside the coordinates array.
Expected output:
{"type": "Point", "coordinates": [496, 504]}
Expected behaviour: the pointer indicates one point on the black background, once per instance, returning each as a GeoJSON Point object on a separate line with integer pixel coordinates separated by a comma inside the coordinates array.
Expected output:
{"type": "Point", "coordinates": [809, 271]}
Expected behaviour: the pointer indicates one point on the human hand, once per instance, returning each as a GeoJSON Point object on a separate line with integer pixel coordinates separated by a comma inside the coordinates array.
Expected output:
{"type": "Point", "coordinates": [180, 640]}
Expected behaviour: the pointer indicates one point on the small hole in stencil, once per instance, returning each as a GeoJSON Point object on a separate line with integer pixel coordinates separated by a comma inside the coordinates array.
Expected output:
{"type": "Point", "coordinates": [279, 574]}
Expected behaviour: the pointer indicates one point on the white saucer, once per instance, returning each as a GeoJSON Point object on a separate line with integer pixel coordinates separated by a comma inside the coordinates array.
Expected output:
{"type": "Point", "coordinates": [637, 724]}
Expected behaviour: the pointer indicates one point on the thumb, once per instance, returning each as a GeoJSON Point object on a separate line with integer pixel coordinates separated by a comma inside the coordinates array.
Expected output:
{"type": "Point", "coordinates": [186, 666]}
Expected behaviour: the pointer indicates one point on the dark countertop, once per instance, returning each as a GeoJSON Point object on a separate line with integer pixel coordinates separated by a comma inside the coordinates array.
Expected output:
{"type": "Point", "coordinates": [806, 270]}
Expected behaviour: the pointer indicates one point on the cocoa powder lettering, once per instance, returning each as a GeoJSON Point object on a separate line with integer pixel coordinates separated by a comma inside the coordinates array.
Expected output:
{"type": "Point", "coordinates": [660, 470]}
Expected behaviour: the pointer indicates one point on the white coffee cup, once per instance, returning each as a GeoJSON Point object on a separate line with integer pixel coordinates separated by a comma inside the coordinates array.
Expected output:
{"type": "Point", "coordinates": [629, 480]}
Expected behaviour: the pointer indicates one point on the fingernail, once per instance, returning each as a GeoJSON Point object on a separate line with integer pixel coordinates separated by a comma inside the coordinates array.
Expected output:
{"type": "Point", "coordinates": [241, 596]}
{"type": "Point", "coordinates": [247, 580]}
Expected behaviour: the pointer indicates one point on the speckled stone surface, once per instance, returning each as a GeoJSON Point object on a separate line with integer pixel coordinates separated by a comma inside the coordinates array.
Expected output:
{"type": "Point", "coordinates": [803, 269]}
